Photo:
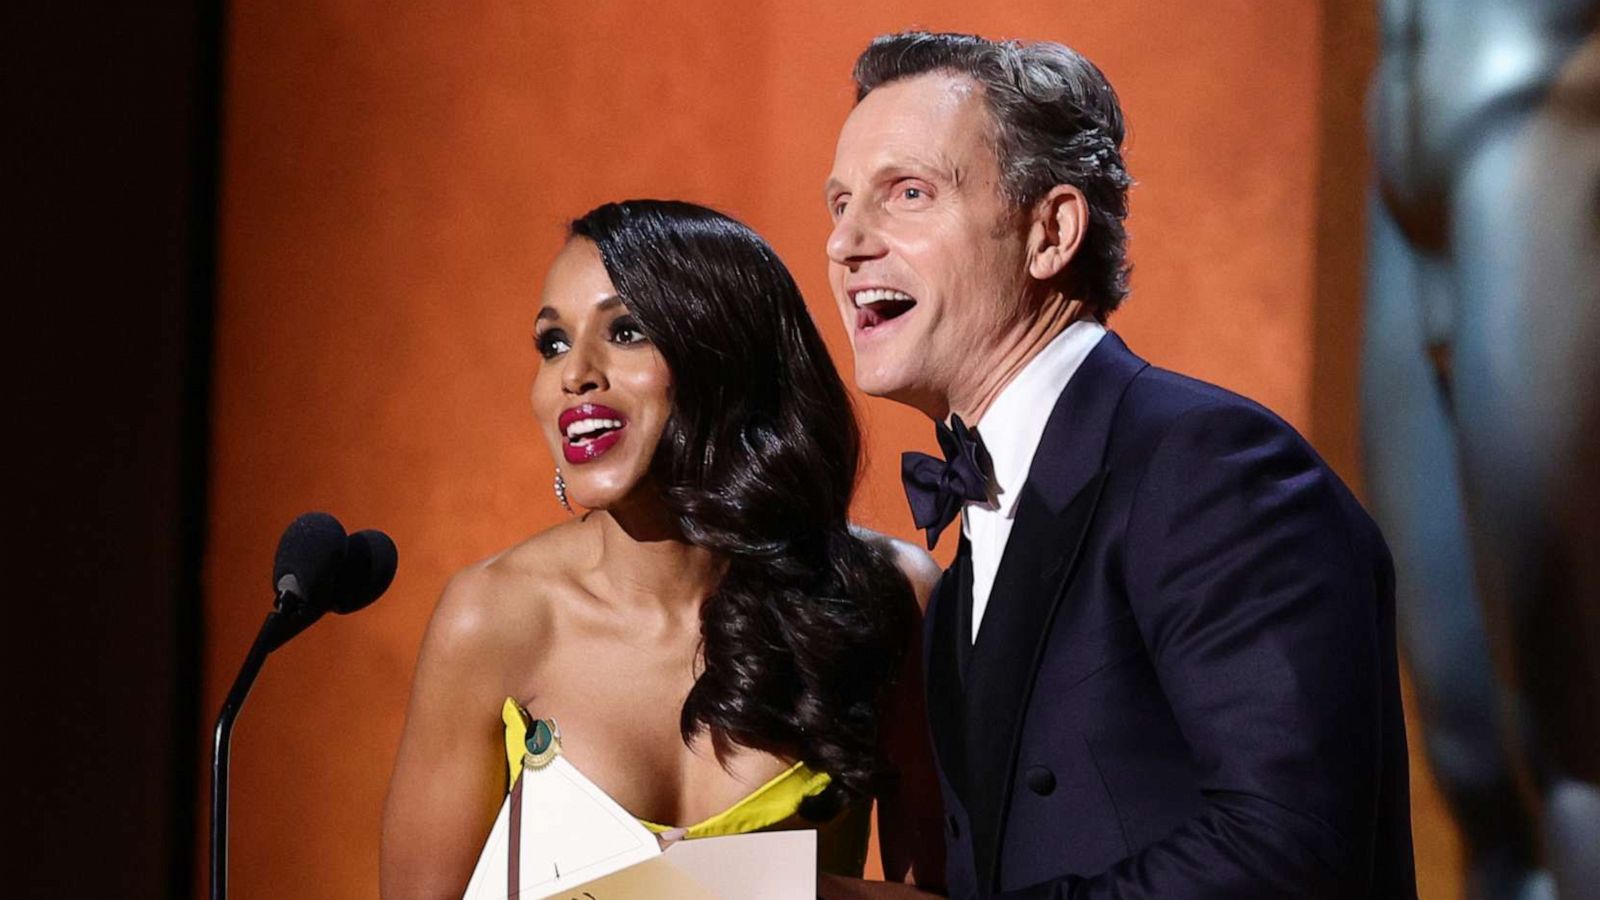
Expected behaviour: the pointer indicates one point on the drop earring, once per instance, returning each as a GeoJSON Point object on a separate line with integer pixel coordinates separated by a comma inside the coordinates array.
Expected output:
{"type": "Point", "coordinates": [561, 491]}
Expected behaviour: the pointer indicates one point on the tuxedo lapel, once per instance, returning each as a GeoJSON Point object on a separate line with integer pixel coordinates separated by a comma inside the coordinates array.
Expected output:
{"type": "Point", "coordinates": [1054, 513]}
{"type": "Point", "coordinates": [962, 588]}
{"type": "Point", "coordinates": [941, 654]}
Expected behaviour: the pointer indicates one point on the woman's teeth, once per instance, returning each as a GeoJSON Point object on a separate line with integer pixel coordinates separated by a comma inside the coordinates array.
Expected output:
{"type": "Point", "coordinates": [584, 429]}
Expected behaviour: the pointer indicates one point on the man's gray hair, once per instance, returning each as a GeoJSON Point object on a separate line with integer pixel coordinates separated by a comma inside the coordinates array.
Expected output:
{"type": "Point", "coordinates": [1057, 121]}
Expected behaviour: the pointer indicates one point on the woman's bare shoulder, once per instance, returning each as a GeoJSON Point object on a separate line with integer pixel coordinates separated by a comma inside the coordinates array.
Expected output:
{"type": "Point", "coordinates": [503, 603]}
{"type": "Point", "coordinates": [922, 570]}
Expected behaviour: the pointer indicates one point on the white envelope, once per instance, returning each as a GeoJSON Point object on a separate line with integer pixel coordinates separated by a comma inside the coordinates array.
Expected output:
{"type": "Point", "coordinates": [579, 844]}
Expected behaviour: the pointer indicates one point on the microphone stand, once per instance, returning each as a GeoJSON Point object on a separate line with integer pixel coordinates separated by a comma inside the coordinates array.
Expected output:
{"type": "Point", "coordinates": [286, 620]}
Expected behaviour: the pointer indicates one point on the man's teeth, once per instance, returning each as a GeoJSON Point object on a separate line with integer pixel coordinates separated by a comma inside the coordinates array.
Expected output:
{"type": "Point", "coordinates": [585, 427]}
{"type": "Point", "coordinates": [880, 295]}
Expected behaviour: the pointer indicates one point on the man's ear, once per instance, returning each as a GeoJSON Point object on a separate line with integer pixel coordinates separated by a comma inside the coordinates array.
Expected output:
{"type": "Point", "coordinates": [1060, 219]}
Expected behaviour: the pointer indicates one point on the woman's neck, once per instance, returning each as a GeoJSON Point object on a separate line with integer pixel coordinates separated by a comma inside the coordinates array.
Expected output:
{"type": "Point", "coordinates": [644, 560]}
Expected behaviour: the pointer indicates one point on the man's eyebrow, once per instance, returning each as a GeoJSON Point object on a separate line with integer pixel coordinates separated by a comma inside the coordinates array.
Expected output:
{"type": "Point", "coordinates": [833, 186]}
{"type": "Point", "coordinates": [940, 164]}
{"type": "Point", "coordinates": [952, 170]}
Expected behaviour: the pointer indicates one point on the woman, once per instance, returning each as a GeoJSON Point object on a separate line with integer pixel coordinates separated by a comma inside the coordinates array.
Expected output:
{"type": "Point", "coordinates": [713, 626]}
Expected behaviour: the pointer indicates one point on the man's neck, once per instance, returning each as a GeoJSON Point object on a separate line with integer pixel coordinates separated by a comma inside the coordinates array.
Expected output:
{"type": "Point", "coordinates": [971, 401]}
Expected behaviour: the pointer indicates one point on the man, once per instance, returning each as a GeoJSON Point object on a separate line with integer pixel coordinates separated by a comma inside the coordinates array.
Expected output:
{"type": "Point", "coordinates": [1163, 662]}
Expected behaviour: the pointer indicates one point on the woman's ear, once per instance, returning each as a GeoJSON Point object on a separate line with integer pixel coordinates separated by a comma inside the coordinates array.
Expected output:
{"type": "Point", "coordinates": [1060, 219]}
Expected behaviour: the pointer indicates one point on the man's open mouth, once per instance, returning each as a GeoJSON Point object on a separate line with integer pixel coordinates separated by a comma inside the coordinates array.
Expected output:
{"type": "Point", "coordinates": [589, 430]}
{"type": "Point", "coordinates": [875, 306]}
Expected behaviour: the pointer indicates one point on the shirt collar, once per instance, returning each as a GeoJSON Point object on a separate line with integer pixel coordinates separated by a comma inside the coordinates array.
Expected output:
{"type": "Point", "coordinates": [1014, 423]}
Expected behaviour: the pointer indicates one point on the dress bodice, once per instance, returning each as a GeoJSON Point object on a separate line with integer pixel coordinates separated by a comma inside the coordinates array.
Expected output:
{"type": "Point", "coordinates": [774, 806]}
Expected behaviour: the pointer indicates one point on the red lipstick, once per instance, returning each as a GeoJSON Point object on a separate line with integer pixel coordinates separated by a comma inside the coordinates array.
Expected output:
{"type": "Point", "coordinates": [588, 430]}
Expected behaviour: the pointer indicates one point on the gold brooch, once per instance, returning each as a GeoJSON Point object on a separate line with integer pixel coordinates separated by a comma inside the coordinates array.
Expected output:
{"type": "Point", "coordinates": [543, 743]}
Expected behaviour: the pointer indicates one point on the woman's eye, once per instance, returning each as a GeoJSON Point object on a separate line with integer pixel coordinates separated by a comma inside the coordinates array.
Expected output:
{"type": "Point", "coordinates": [552, 343]}
{"type": "Point", "coordinates": [626, 331]}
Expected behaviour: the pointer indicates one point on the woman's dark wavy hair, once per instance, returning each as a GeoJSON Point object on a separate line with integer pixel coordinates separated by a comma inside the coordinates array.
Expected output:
{"type": "Point", "coordinates": [758, 463]}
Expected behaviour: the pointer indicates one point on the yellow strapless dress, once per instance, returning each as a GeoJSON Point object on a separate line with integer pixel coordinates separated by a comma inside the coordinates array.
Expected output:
{"type": "Point", "coordinates": [774, 806]}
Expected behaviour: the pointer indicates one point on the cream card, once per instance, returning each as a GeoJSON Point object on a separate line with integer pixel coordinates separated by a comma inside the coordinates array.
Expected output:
{"type": "Point", "coordinates": [579, 844]}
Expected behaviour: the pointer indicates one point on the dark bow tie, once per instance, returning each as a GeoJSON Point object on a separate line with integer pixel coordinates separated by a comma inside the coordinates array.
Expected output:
{"type": "Point", "coordinates": [936, 487]}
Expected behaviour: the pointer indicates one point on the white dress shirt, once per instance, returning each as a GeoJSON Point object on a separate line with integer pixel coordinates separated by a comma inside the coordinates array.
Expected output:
{"type": "Point", "coordinates": [1011, 429]}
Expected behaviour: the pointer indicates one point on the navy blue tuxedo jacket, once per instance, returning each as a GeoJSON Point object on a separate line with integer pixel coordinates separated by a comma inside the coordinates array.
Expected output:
{"type": "Point", "coordinates": [1185, 683]}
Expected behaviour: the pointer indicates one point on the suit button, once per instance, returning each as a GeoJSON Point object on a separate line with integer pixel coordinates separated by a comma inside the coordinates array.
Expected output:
{"type": "Point", "coordinates": [954, 826]}
{"type": "Point", "coordinates": [1040, 780]}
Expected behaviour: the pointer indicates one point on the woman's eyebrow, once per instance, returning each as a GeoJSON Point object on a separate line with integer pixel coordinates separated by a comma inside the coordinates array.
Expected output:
{"type": "Point", "coordinates": [609, 303]}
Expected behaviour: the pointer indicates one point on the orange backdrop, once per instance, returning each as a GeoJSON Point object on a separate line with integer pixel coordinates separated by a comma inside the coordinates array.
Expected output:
{"type": "Point", "coordinates": [396, 179]}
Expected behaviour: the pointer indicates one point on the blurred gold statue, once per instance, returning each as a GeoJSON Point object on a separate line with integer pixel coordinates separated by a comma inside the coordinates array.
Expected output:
{"type": "Point", "coordinates": [1481, 407]}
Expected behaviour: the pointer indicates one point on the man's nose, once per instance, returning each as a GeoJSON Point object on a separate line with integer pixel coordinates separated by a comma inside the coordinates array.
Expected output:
{"type": "Point", "coordinates": [583, 371]}
{"type": "Point", "coordinates": [853, 240]}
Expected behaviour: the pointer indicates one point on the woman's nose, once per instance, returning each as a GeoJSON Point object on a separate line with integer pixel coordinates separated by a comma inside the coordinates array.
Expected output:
{"type": "Point", "coordinates": [584, 371]}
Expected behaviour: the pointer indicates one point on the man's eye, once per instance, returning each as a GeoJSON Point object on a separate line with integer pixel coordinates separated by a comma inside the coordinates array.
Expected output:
{"type": "Point", "coordinates": [838, 208]}
{"type": "Point", "coordinates": [551, 344]}
{"type": "Point", "coordinates": [912, 193]}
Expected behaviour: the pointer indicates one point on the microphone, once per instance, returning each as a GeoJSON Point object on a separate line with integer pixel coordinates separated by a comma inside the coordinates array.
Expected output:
{"type": "Point", "coordinates": [305, 570]}
{"type": "Point", "coordinates": [311, 548]}
{"type": "Point", "coordinates": [365, 572]}
{"type": "Point", "coordinates": [317, 568]}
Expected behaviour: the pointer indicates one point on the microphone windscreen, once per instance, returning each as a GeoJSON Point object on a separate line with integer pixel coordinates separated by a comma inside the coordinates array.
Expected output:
{"type": "Point", "coordinates": [366, 571]}
{"type": "Point", "coordinates": [308, 554]}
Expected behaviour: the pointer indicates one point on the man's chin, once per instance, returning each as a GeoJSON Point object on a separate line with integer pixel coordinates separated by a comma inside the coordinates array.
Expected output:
{"type": "Point", "coordinates": [887, 383]}
{"type": "Point", "coordinates": [875, 381]}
